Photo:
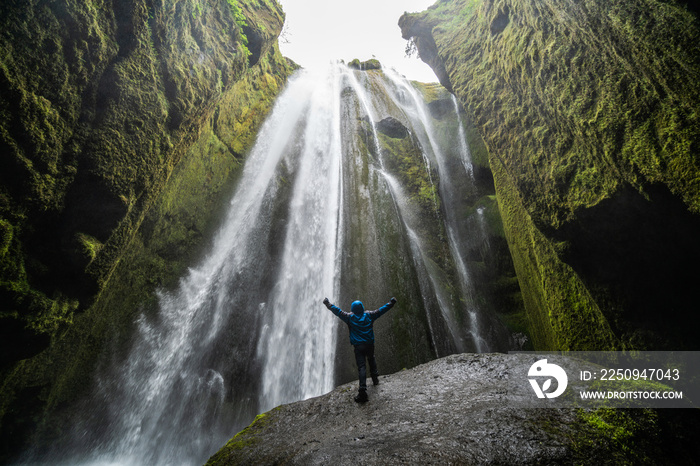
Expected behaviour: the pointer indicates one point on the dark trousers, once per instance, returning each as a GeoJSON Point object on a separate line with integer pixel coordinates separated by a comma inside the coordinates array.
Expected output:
{"type": "Point", "coordinates": [362, 352]}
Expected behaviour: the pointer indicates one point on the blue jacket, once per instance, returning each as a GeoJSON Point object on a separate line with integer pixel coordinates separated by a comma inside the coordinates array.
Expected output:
{"type": "Point", "coordinates": [360, 321]}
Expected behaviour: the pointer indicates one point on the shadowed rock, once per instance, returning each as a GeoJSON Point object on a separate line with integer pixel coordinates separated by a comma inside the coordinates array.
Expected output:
{"type": "Point", "coordinates": [440, 108]}
{"type": "Point", "coordinates": [591, 171]}
{"type": "Point", "coordinates": [392, 128]}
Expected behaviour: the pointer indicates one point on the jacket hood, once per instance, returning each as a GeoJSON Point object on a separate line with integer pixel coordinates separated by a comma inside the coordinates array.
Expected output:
{"type": "Point", "coordinates": [357, 308]}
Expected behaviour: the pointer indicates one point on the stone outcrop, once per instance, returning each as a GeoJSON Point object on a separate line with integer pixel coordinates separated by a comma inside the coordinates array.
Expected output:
{"type": "Point", "coordinates": [372, 64]}
{"type": "Point", "coordinates": [454, 410]}
{"type": "Point", "coordinates": [392, 128]}
{"type": "Point", "coordinates": [591, 115]}
{"type": "Point", "coordinates": [375, 262]}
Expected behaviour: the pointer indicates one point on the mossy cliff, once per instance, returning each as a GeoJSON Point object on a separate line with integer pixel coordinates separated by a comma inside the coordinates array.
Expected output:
{"type": "Point", "coordinates": [590, 113]}
{"type": "Point", "coordinates": [121, 126]}
{"type": "Point", "coordinates": [496, 287]}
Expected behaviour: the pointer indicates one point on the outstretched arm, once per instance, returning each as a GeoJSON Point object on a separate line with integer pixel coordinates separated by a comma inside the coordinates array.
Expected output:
{"type": "Point", "coordinates": [382, 310]}
{"type": "Point", "coordinates": [345, 316]}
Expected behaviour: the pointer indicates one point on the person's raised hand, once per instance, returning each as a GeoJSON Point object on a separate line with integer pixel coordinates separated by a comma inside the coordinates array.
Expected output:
{"type": "Point", "coordinates": [393, 300]}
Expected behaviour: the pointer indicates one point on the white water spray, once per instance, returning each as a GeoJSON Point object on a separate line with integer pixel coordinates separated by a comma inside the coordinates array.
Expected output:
{"type": "Point", "coordinates": [298, 346]}
{"type": "Point", "coordinates": [427, 281]}
{"type": "Point", "coordinates": [167, 403]}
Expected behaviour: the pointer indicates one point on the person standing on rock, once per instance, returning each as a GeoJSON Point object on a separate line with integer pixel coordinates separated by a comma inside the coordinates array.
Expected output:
{"type": "Point", "coordinates": [360, 324]}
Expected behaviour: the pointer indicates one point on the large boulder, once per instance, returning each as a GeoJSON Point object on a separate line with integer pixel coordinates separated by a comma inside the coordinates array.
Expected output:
{"type": "Point", "coordinates": [455, 410]}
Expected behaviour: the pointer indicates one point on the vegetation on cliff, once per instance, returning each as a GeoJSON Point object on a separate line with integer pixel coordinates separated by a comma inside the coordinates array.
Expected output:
{"type": "Point", "coordinates": [389, 168]}
{"type": "Point", "coordinates": [120, 129]}
{"type": "Point", "coordinates": [589, 111]}
{"type": "Point", "coordinates": [372, 64]}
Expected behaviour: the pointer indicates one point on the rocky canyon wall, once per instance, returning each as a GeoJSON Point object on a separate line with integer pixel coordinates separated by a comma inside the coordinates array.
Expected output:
{"type": "Point", "coordinates": [121, 124]}
{"type": "Point", "coordinates": [589, 110]}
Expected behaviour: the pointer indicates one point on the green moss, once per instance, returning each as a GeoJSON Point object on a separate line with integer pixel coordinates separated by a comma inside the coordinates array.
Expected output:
{"type": "Point", "coordinates": [625, 436]}
{"type": "Point", "coordinates": [50, 315]}
{"type": "Point", "coordinates": [372, 64]}
{"type": "Point", "coordinates": [229, 454]}
{"type": "Point", "coordinates": [561, 313]}
{"type": "Point", "coordinates": [250, 102]}
{"type": "Point", "coordinates": [577, 102]}
{"type": "Point", "coordinates": [376, 237]}
{"type": "Point", "coordinates": [69, 103]}
{"type": "Point", "coordinates": [405, 158]}
{"type": "Point", "coordinates": [91, 246]}
{"type": "Point", "coordinates": [159, 137]}
{"type": "Point", "coordinates": [431, 91]}
{"type": "Point", "coordinates": [6, 232]}
{"type": "Point", "coordinates": [240, 19]}
{"type": "Point", "coordinates": [173, 229]}
{"type": "Point", "coordinates": [610, 107]}
{"type": "Point", "coordinates": [243, 439]}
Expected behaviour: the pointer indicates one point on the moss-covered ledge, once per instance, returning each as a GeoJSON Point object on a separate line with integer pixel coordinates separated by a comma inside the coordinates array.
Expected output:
{"type": "Point", "coordinates": [46, 386]}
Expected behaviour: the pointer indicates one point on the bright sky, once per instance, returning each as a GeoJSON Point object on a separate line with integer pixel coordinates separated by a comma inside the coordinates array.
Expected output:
{"type": "Point", "coordinates": [319, 31]}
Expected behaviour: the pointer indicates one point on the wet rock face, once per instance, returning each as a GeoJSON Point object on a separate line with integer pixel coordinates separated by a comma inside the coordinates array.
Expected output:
{"type": "Point", "coordinates": [441, 108]}
{"type": "Point", "coordinates": [121, 126]}
{"type": "Point", "coordinates": [419, 30]}
{"type": "Point", "coordinates": [392, 128]}
{"type": "Point", "coordinates": [453, 410]}
{"type": "Point", "coordinates": [435, 411]}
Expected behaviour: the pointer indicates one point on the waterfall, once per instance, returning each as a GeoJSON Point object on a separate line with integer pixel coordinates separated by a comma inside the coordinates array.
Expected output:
{"type": "Point", "coordinates": [426, 281]}
{"type": "Point", "coordinates": [463, 146]}
{"type": "Point", "coordinates": [415, 110]}
{"type": "Point", "coordinates": [297, 344]}
{"type": "Point", "coordinates": [316, 213]}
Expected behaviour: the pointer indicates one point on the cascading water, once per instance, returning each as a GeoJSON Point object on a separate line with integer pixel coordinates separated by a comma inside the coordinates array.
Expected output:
{"type": "Point", "coordinates": [297, 343]}
{"type": "Point", "coordinates": [415, 110]}
{"type": "Point", "coordinates": [317, 212]}
{"type": "Point", "coordinates": [463, 146]}
{"type": "Point", "coordinates": [400, 199]}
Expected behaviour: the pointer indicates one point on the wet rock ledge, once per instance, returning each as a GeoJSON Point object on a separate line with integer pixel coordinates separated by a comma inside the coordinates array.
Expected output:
{"type": "Point", "coordinates": [456, 410]}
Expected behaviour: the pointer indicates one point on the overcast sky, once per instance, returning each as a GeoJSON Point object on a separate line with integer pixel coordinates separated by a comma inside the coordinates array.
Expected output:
{"type": "Point", "coordinates": [319, 31]}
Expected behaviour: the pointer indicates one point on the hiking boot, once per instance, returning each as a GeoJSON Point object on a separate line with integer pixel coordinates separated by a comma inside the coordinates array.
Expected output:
{"type": "Point", "coordinates": [361, 396]}
{"type": "Point", "coordinates": [375, 379]}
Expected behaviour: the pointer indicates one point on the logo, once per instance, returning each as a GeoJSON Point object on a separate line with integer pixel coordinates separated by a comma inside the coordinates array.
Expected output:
{"type": "Point", "coordinates": [543, 369]}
